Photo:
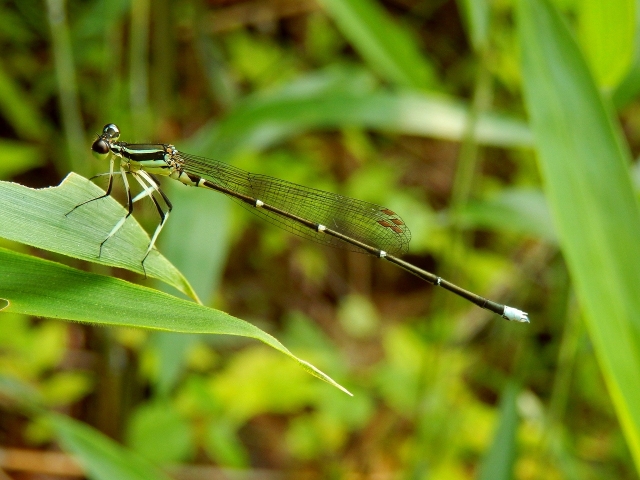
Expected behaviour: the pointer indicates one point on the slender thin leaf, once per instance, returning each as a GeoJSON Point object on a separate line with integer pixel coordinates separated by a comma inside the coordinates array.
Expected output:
{"type": "Point", "coordinates": [499, 460]}
{"type": "Point", "coordinates": [523, 211]}
{"type": "Point", "coordinates": [17, 108]}
{"type": "Point", "coordinates": [102, 458]}
{"type": "Point", "coordinates": [37, 287]}
{"type": "Point", "coordinates": [476, 14]}
{"type": "Point", "coordinates": [340, 101]}
{"type": "Point", "coordinates": [386, 46]}
{"type": "Point", "coordinates": [585, 166]}
{"type": "Point", "coordinates": [39, 218]}
{"type": "Point", "coordinates": [66, 80]}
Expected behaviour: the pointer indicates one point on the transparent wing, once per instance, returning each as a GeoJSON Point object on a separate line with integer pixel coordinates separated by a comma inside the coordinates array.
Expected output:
{"type": "Point", "coordinates": [366, 222]}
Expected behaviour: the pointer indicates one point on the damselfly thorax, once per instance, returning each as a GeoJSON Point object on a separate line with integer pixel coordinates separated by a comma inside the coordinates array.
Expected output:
{"type": "Point", "coordinates": [324, 217]}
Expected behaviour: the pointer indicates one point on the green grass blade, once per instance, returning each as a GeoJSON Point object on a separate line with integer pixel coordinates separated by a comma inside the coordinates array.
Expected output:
{"type": "Point", "coordinates": [315, 102]}
{"type": "Point", "coordinates": [37, 218]}
{"type": "Point", "coordinates": [387, 47]}
{"type": "Point", "coordinates": [68, 92]}
{"type": "Point", "coordinates": [519, 210]}
{"type": "Point", "coordinates": [18, 110]}
{"type": "Point", "coordinates": [476, 15]}
{"type": "Point", "coordinates": [585, 167]}
{"type": "Point", "coordinates": [41, 288]}
{"type": "Point", "coordinates": [101, 457]}
{"type": "Point", "coordinates": [501, 456]}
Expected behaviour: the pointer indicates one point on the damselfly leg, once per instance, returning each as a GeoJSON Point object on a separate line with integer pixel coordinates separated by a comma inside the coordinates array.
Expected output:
{"type": "Point", "coordinates": [324, 217]}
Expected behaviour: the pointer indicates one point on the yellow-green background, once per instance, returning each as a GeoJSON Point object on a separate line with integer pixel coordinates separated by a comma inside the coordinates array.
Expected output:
{"type": "Point", "coordinates": [502, 131]}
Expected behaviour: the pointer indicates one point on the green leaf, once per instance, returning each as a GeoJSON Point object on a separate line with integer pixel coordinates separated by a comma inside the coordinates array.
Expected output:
{"type": "Point", "coordinates": [223, 445]}
{"type": "Point", "coordinates": [37, 287]}
{"type": "Point", "coordinates": [476, 15]}
{"type": "Point", "coordinates": [386, 46]}
{"type": "Point", "coordinates": [18, 157]}
{"type": "Point", "coordinates": [18, 110]}
{"type": "Point", "coordinates": [585, 167]}
{"type": "Point", "coordinates": [629, 87]}
{"type": "Point", "coordinates": [158, 432]}
{"type": "Point", "coordinates": [102, 458]}
{"type": "Point", "coordinates": [345, 99]}
{"type": "Point", "coordinates": [38, 217]}
{"type": "Point", "coordinates": [499, 460]}
{"type": "Point", "coordinates": [607, 35]}
{"type": "Point", "coordinates": [201, 255]}
{"type": "Point", "coordinates": [523, 211]}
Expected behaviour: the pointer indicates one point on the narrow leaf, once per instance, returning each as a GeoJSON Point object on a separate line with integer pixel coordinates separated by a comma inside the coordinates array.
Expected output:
{"type": "Point", "coordinates": [499, 460]}
{"type": "Point", "coordinates": [523, 211]}
{"type": "Point", "coordinates": [18, 110]}
{"type": "Point", "coordinates": [585, 167]}
{"type": "Point", "coordinates": [264, 120]}
{"type": "Point", "coordinates": [37, 287]}
{"type": "Point", "coordinates": [476, 15]}
{"type": "Point", "coordinates": [41, 218]}
{"type": "Point", "coordinates": [386, 46]}
{"type": "Point", "coordinates": [102, 458]}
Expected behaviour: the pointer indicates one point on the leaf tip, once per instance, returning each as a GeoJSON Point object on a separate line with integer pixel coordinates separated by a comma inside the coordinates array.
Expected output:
{"type": "Point", "coordinates": [322, 376]}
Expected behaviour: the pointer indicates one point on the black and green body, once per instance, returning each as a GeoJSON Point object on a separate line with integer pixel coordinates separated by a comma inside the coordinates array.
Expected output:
{"type": "Point", "coordinates": [323, 217]}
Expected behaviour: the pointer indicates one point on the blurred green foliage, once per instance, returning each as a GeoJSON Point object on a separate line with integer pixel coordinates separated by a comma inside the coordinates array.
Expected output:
{"type": "Point", "coordinates": [417, 105]}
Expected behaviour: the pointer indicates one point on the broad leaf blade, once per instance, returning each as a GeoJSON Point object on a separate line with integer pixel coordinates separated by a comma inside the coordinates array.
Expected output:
{"type": "Point", "coordinates": [38, 218]}
{"type": "Point", "coordinates": [37, 287]}
{"type": "Point", "coordinates": [585, 166]}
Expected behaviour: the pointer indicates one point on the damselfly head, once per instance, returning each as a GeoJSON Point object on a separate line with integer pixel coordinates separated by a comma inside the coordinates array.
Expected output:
{"type": "Point", "coordinates": [111, 131]}
{"type": "Point", "coordinates": [100, 148]}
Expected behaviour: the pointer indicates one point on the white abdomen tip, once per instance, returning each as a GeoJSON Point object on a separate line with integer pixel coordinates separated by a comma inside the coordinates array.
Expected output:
{"type": "Point", "coordinates": [515, 315]}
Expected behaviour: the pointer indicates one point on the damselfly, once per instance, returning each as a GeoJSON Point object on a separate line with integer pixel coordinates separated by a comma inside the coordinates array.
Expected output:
{"type": "Point", "coordinates": [323, 217]}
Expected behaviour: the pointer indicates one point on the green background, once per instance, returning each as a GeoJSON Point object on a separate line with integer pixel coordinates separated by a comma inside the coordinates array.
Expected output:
{"type": "Point", "coordinates": [503, 132]}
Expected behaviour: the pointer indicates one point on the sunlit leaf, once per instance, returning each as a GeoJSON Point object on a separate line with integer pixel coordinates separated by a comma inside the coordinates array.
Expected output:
{"type": "Point", "coordinates": [629, 87]}
{"type": "Point", "coordinates": [607, 34]}
{"type": "Point", "coordinates": [37, 287]}
{"type": "Point", "coordinates": [585, 166]}
{"type": "Point", "coordinates": [18, 157]}
{"type": "Point", "coordinates": [39, 218]}
{"type": "Point", "coordinates": [344, 99]}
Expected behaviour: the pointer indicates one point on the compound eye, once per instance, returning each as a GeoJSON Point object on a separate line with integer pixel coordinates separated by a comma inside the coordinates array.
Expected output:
{"type": "Point", "coordinates": [111, 131]}
{"type": "Point", "coordinates": [100, 148]}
